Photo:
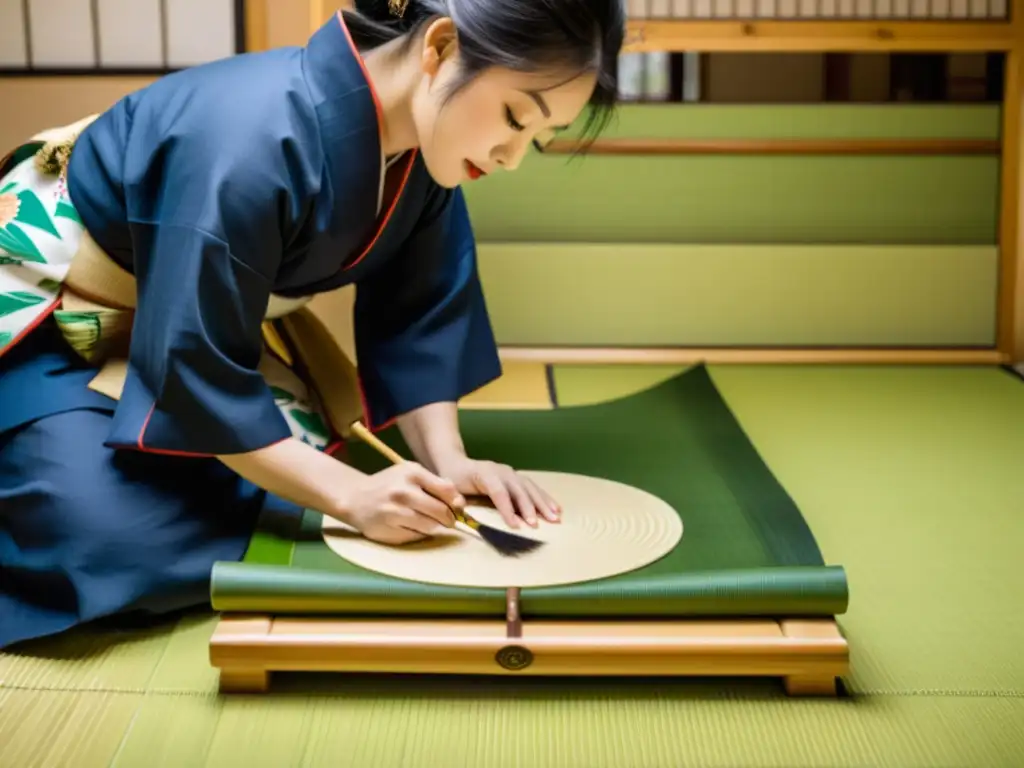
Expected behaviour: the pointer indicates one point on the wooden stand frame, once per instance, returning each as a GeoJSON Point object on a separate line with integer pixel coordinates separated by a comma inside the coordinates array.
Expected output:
{"type": "Point", "coordinates": [809, 655]}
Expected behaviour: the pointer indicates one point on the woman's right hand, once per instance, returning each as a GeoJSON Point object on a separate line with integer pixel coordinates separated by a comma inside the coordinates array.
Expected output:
{"type": "Point", "coordinates": [397, 505]}
{"type": "Point", "coordinates": [400, 504]}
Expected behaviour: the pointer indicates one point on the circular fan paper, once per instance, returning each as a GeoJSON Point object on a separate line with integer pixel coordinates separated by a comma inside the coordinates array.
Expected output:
{"type": "Point", "coordinates": [607, 529]}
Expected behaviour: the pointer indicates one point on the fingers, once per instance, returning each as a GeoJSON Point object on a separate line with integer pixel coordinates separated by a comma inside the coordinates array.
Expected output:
{"type": "Point", "coordinates": [404, 526]}
{"type": "Point", "coordinates": [427, 500]}
{"type": "Point", "coordinates": [492, 485]}
{"type": "Point", "coordinates": [433, 511]}
{"type": "Point", "coordinates": [437, 487]}
{"type": "Point", "coordinates": [515, 496]}
{"type": "Point", "coordinates": [414, 488]}
{"type": "Point", "coordinates": [420, 526]}
{"type": "Point", "coordinates": [542, 501]}
{"type": "Point", "coordinates": [395, 534]}
{"type": "Point", "coordinates": [521, 495]}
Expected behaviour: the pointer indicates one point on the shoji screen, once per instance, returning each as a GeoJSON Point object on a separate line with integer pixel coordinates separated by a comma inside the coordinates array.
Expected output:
{"type": "Point", "coordinates": [117, 35]}
{"type": "Point", "coordinates": [818, 9]}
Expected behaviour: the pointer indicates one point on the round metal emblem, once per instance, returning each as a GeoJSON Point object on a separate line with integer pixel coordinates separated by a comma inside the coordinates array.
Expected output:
{"type": "Point", "coordinates": [514, 657]}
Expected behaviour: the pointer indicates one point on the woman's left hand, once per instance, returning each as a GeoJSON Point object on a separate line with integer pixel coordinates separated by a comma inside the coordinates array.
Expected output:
{"type": "Point", "coordinates": [513, 495]}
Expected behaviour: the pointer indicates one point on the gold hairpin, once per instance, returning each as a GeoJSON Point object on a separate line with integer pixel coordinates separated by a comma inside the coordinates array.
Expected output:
{"type": "Point", "coordinates": [397, 7]}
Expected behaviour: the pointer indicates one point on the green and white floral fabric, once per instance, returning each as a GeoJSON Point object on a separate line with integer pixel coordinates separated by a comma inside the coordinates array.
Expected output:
{"type": "Point", "coordinates": [296, 402]}
{"type": "Point", "coordinates": [39, 235]}
{"type": "Point", "coordinates": [40, 232]}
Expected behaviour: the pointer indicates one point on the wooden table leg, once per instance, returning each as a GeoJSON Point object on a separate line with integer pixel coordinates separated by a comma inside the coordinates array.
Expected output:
{"type": "Point", "coordinates": [238, 675]}
{"type": "Point", "coordinates": [824, 684]}
{"type": "Point", "coordinates": [806, 685]}
{"type": "Point", "coordinates": [244, 680]}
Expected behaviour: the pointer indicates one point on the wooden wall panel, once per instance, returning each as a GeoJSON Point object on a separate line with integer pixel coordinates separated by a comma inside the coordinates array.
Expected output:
{"type": "Point", "coordinates": [130, 33]}
{"type": "Point", "coordinates": [141, 36]}
{"type": "Point", "coordinates": [199, 31]}
{"type": "Point", "coordinates": [62, 33]}
{"type": "Point", "coordinates": [13, 42]}
{"type": "Point", "coordinates": [32, 104]}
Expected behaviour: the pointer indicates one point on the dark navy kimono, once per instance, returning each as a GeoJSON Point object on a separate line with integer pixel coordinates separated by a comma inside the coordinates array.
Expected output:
{"type": "Point", "coordinates": [217, 187]}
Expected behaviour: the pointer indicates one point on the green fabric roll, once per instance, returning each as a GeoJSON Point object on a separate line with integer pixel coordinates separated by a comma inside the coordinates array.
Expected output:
{"type": "Point", "coordinates": [746, 549]}
{"type": "Point", "coordinates": [793, 591]}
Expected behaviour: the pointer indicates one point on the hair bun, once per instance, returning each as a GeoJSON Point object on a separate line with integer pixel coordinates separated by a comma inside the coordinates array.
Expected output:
{"type": "Point", "coordinates": [376, 22]}
{"type": "Point", "coordinates": [384, 11]}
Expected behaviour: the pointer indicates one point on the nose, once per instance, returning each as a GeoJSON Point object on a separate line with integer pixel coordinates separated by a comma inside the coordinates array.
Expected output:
{"type": "Point", "coordinates": [509, 156]}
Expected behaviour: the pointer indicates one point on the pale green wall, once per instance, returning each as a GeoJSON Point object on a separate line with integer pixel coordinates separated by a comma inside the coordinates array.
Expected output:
{"type": "Point", "coordinates": [775, 251]}
{"type": "Point", "coordinates": [810, 121]}
{"type": "Point", "coordinates": [755, 199]}
{"type": "Point", "coordinates": [724, 295]}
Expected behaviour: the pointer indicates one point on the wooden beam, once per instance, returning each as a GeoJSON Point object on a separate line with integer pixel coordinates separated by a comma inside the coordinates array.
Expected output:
{"type": "Point", "coordinates": [256, 27]}
{"type": "Point", "coordinates": [1011, 233]}
{"type": "Point", "coordinates": [662, 146]}
{"type": "Point", "coordinates": [651, 35]}
{"type": "Point", "coordinates": [751, 356]}
{"type": "Point", "coordinates": [320, 11]}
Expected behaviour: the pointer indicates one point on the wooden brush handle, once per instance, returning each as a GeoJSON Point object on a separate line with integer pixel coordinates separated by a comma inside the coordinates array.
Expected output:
{"type": "Point", "coordinates": [377, 444]}
{"type": "Point", "coordinates": [394, 457]}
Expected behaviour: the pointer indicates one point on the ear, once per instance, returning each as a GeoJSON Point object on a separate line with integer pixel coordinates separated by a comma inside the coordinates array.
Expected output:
{"type": "Point", "coordinates": [440, 44]}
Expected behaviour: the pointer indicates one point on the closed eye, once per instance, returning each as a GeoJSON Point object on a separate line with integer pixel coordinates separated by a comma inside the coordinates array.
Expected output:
{"type": "Point", "coordinates": [545, 138]}
{"type": "Point", "coordinates": [541, 142]}
{"type": "Point", "coordinates": [514, 124]}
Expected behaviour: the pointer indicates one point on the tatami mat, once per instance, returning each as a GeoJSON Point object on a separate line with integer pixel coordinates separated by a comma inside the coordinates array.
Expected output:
{"type": "Point", "coordinates": [522, 385]}
{"type": "Point", "coordinates": [909, 477]}
{"type": "Point", "coordinates": [628, 727]}
{"type": "Point", "coordinates": [588, 384]}
{"type": "Point", "coordinates": [170, 657]}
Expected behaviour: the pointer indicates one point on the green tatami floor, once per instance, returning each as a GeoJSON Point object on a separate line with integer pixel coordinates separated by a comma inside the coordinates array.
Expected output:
{"type": "Point", "coordinates": [912, 478]}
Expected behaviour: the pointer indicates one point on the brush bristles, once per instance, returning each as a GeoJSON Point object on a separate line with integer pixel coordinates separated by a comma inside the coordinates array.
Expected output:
{"type": "Point", "coordinates": [508, 544]}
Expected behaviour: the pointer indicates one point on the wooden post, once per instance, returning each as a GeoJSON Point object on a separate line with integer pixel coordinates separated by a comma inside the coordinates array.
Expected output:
{"type": "Point", "coordinates": [318, 13]}
{"type": "Point", "coordinates": [255, 25]}
{"type": "Point", "coordinates": [829, 36]}
{"type": "Point", "coordinates": [1011, 233]}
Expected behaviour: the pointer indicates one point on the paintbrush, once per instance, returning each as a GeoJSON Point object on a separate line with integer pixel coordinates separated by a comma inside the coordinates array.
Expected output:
{"type": "Point", "coordinates": [506, 543]}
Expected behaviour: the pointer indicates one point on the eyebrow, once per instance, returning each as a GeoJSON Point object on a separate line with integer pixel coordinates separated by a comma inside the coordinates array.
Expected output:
{"type": "Point", "coordinates": [543, 105]}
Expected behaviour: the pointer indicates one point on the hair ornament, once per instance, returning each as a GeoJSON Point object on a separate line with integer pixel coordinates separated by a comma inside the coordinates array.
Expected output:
{"type": "Point", "coordinates": [397, 7]}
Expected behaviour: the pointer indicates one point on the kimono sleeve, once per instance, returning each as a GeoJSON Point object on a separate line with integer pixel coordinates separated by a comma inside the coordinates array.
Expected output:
{"type": "Point", "coordinates": [422, 331]}
{"type": "Point", "coordinates": [204, 265]}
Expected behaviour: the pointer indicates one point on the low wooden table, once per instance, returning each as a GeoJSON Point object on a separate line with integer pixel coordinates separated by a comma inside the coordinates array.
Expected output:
{"type": "Point", "coordinates": [809, 655]}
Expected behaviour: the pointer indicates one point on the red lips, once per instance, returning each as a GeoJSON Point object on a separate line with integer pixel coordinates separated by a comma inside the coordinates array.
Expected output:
{"type": "Point", "coordinates": [473, 172]}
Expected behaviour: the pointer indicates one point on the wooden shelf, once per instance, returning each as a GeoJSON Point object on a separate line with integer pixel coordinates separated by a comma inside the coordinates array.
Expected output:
{"type": "Point", "coordinates": [753, 355]}
{"type": "Point", "coordinates": [651, 35]}
{"type": "Point", "coordinates": [863, 147]}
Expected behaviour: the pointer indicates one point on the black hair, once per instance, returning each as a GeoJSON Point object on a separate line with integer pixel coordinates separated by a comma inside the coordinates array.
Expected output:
{"type": "Point", "coordinates": [520, 35]}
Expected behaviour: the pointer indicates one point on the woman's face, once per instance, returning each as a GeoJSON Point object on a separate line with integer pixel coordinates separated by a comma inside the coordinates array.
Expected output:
{"type": "Point", "coordinates": [492, 122]}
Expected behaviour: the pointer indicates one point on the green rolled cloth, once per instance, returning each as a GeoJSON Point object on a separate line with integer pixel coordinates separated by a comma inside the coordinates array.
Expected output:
{"type": "Point", "coordinates": [746, 549]}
